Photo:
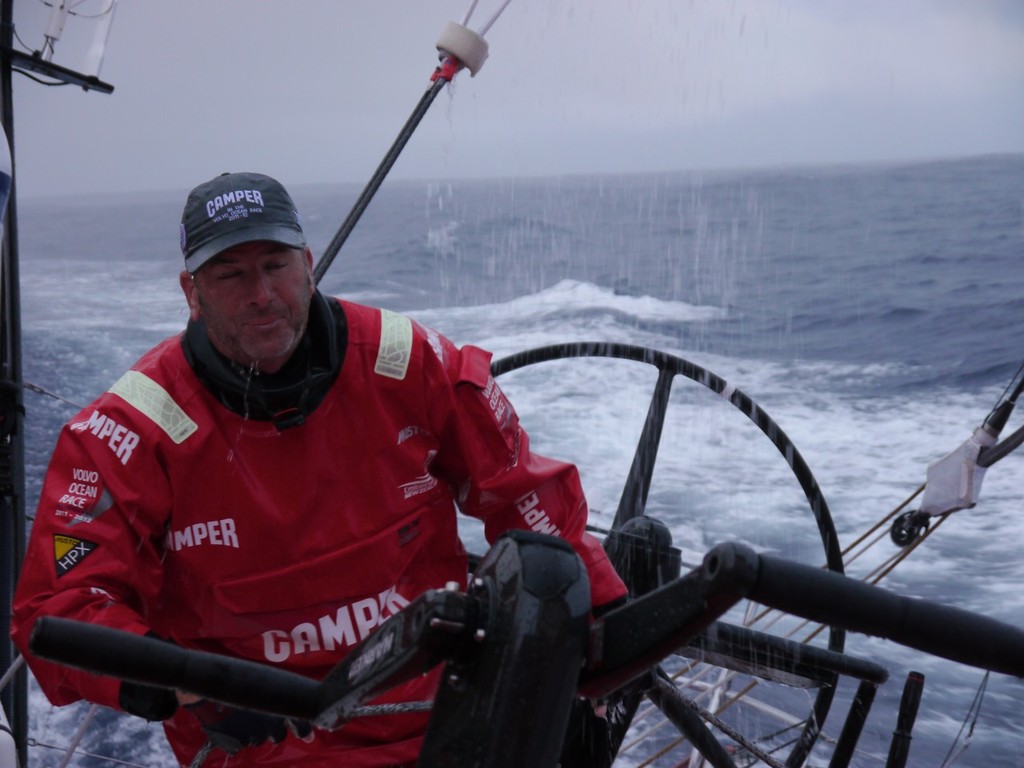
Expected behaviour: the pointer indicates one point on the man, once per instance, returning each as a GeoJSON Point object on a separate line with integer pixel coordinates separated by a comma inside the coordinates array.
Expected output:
{"type": "Point", "coordinates": [276, 481]}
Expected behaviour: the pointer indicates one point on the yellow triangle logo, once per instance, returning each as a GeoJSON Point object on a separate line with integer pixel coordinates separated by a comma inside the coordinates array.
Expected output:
{"type": "Point", "coordinates": [69, 552]}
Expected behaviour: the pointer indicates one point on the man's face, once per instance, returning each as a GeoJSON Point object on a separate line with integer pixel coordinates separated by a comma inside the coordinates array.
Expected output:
{"type": "Point", "coordinates": [255, 301]}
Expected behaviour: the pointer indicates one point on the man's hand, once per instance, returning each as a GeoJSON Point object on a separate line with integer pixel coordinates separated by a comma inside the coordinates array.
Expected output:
{"type": "Point", "coordinates": [231, 729]}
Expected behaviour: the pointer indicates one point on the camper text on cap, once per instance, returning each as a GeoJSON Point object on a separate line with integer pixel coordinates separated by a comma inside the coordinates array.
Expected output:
{"type": "Point", "coordinates": [236, 208]}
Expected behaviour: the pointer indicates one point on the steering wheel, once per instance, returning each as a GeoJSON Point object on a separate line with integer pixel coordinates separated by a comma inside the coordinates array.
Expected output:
{"type": "Point", "coordinates": [728, 681]}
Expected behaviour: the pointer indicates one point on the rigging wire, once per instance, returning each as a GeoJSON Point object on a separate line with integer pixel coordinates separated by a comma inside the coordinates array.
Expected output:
{"type": "Point", "coordinates": [20, 41]}
{"type": "Point", "coordinates": [28, 50]}
{"type": "Point", "coordinates": [71, 10]}
{"type": "Point", "coordinates": [975, 708]}
{"type": "Point", "coordinates": [873, 577]}
{"type": "Point", "coordinates": [79, 735]}
{"type": "Point", "coordinates": [92, 755]}
{"type": "Point", "coordinates": [469, 12]}
{"type": "Point", "coordinates": [18, 662]}
{"type": "Point", "coordinates": [47, 83]}
{"type": "Point", "coordinates": [722, 726]}
{"type": "Point", "coordinates": [47, 393]}
{"type": "Point", "coordinates": [1016, 393]}
{"type": "Point", "coordinates": [99, 15]}
{"type": "Point", "coordinates": [490, 22]}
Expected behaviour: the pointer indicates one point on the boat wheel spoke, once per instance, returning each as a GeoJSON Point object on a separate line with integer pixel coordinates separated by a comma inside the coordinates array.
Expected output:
{"type": "Point", "coordinates": [730, 669]}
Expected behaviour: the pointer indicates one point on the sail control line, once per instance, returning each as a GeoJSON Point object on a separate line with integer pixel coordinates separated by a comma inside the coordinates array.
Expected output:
{"type": "Point", "coordinates": [954, 481]}
{"type": "Point", "coordinates": [457, 47]}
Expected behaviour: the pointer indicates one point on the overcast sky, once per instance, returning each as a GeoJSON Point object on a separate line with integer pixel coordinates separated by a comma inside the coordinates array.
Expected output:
{"type": "Point", "coordinates": [316, 90]}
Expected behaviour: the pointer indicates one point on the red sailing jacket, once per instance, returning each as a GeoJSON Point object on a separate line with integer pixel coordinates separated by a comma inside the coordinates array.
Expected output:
{"type": "Point", "coordinates": [163, 511]}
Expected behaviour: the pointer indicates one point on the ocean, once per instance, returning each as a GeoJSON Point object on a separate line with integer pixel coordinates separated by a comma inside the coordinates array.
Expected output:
{"type": "Point", "coordinates": [874, 311]}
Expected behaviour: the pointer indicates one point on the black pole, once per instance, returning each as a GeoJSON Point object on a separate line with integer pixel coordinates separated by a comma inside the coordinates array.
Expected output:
{"type": "Point", "coordinates": [443, 75]}
{"type": "Point", "coordinates": [899, 749]}
{"type": "Point", "coordinates": [941, 630]}
{"type": "Point", "coordinates": [12, 439]}
{"type": "Point", "coordinates": [854, 724]}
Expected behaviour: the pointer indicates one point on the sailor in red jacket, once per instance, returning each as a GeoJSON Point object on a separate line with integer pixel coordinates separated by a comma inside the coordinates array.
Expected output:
{"type": "Point", "coordinates": [277, 481]}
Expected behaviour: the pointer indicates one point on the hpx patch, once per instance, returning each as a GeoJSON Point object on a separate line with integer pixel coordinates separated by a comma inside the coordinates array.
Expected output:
{"type": "Point", "coordinates": [69, 552]}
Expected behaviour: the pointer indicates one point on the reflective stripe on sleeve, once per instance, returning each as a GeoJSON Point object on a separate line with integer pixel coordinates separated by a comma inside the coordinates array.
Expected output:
{"type": "Point", "coordinates": [395, 345]}
{"type": "Point", "coordinates": [152, 400]}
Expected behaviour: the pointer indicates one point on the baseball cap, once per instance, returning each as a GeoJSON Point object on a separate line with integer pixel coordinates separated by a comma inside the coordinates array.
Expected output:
{"type": "Point", "coordinates": [236, 208]}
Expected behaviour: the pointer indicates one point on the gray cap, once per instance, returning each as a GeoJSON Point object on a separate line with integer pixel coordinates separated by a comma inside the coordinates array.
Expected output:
{"type": "Point", "coordinates": [236, 208]}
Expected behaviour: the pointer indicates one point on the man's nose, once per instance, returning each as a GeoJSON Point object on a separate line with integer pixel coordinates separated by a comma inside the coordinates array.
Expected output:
{"type": "Point", "coordinates": [261, 288]}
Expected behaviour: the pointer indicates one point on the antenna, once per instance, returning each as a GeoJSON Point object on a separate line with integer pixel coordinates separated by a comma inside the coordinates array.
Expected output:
{"type": "Point", "coordinates": [41, 62]}
{"type": "Point", "coordinates": [54, 27]}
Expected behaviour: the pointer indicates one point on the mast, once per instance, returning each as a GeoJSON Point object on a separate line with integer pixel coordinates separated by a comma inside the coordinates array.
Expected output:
{"type": "Point", "coordinates": [14, 698]}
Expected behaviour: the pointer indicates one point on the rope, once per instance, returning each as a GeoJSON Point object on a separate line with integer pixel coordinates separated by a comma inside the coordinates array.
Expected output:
{"type": "Point", "coordinates": [113, 760]}
{"type": "Point", "coordinates": [469, 12]}
{"type": "Point", "coordinates": [18, 662]}
{"type": "Point", "coordinates": [882, 522]}
{"type": "Point", "coordinates": [873, 577]}
{"type": "Point", "coordinates": [201, 755]}
{"type": "Point", "coordinates": [975, 707]}
{"type": "Point", "coordinates": [373, 710]}
{"type": "Point", "coordinates": [79, 735]}
{"type": "Point", "coordinates": [731, 732]}
{"type": "Point", "coordinates": [40, 391]}
{"type": "Point", "coordinates": [483, 30]}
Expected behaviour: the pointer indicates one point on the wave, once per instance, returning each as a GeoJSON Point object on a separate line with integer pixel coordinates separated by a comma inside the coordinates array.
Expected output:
{"type": "Point", "coordinates": [568, 298]}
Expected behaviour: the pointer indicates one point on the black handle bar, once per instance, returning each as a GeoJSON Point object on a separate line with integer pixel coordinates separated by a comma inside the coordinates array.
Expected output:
{"type": "Point", "coordinates": [621, 646]}
{"type": "Point", "coordinates": [107, 651]}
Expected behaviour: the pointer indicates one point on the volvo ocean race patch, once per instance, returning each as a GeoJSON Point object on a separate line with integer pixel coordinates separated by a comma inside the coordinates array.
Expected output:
{"type": "Point", "coordinates": [69, 552]}
{"type": "Point", "coordinates": [85, 498]}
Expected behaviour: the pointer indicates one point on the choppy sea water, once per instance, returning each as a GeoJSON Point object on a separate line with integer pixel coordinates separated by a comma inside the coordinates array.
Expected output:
{"type": "Point", "coordinates": [875, 312]}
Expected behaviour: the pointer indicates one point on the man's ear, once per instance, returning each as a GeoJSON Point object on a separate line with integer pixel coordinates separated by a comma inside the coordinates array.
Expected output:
{"type": "Point", "coordinates": [188, 287]}
{"type": "Point", "coordinates": [309, 270]}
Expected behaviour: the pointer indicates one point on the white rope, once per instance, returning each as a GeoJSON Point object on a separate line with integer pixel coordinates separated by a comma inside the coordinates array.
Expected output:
{"type": "Point", "coordinates": [35, 743]}
{"type": "Point", "coordinates": [79, 735]}
{"type": "Point", "coordinates": [469, 12]}
{"type": "Point", "coordinates": [490, 23]}
{"type": "Point", "coordinates": [17, 664]}
{"type": "Point", "coordinates": [201, 755]}
{"type": "Point", "coordinates": [494, 18]}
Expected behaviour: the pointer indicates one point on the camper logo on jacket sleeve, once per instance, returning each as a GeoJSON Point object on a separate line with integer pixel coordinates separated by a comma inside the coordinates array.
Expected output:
{"type": "Point", "coordinates": [119, 439]}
